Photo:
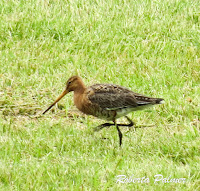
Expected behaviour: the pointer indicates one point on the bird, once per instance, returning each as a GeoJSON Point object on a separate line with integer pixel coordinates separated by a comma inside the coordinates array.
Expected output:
{"type": "Point", "coordinates": [106, 101]}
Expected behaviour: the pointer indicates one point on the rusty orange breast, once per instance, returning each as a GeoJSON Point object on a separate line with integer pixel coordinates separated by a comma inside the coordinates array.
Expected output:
{"type": "Point", "coordinates": [83, 103]}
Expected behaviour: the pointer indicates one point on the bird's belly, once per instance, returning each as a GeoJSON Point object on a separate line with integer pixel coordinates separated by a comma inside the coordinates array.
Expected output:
{"type": "Point", "coordinates": [104, 114]}
{"type": "Point", "coordinates": [112, 114]}
{"type": "Point", "coordinates": [92, 109]}
{"type": "Point", "coordinates": [115, 113]}
{"type": "Point", "coordinates": [123, 112]}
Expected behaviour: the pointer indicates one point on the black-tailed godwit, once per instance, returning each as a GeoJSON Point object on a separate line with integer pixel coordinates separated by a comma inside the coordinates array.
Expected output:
{"type": "Point", "coordinates": [106, 101]}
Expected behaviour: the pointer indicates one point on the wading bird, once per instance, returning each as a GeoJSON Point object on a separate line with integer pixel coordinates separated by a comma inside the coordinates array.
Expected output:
{"type": "Point", "coordinates": [106, 101]}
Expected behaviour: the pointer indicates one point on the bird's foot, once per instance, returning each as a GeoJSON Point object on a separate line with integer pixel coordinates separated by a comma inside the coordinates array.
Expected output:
{"type": "Point", "coordinates": [98, 128]}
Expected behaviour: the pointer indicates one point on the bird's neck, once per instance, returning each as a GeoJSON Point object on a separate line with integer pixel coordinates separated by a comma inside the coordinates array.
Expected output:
{"type": "Point", "coordinates": [79, 97]}
{"type": "Point", "coordinates": [79, 91]}
{"type": "Point", "coordinates": [80, 88]}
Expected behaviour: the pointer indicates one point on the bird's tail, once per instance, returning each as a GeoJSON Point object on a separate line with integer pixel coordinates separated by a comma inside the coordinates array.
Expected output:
{"type": "Point", "coordinates": [159, 100]}
{"type": "Point", "coordinates": [150, 101]}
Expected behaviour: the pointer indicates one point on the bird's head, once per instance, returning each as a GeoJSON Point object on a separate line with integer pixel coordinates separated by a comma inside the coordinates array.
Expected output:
{"type": "Point", "coordinates": [73, 84]}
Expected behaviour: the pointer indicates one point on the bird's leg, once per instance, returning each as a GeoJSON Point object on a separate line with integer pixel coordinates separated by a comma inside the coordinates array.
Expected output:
{"type": "Point", "coordinates": [128, 125]}
{"type": "Point", "coordinates": [131, 123]}
{"type": "Point", "coordinates": [98, 128]}
{"type": "Point", "coordinates": [119, 132]}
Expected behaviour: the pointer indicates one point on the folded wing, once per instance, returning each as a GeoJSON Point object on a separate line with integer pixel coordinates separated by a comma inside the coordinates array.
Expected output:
{"type": "Point", "coordinates": [112, 97]}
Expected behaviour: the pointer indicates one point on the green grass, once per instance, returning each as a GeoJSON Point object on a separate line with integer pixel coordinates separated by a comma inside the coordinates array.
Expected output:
{"type": "Point", "coordinates": [152, 47]}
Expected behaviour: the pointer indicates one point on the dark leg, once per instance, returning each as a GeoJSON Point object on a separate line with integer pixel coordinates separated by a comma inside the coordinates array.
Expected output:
{"type": "Point", "coordinates": [120, 134]}
{"type": "Point", "coordinates": [127, 125]}
{"type": "Point", "coordinates": [98, 128]}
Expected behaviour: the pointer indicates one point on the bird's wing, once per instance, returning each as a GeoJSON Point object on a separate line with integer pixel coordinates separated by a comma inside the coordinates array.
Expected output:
{"type": "Point", "coordinates": [112, 97]}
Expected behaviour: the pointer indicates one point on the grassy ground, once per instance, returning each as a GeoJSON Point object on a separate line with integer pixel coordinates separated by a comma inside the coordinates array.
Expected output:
{"type": "Point", "coordinates": [152, 47]}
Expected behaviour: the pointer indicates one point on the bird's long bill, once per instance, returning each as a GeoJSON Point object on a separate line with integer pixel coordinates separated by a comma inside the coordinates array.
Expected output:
{"type": "Point", "coordinates": [57, 100]}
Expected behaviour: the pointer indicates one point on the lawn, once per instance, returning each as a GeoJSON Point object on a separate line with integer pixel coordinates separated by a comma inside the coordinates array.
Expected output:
{"type": "Point", "coordinates": [150, 47]}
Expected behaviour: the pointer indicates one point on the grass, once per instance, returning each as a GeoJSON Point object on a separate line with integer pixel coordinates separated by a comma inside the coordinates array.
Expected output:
{"type": "Point", "coordinates": [152, 47]}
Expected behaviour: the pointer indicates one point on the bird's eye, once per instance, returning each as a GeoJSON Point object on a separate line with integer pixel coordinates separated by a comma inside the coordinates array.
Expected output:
{"type": "Point", "coordinates": [69, 82]}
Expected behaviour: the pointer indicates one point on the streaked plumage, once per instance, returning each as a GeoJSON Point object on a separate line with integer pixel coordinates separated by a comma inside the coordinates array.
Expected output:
{"type": "Point", "coordinates": [106, 101]}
